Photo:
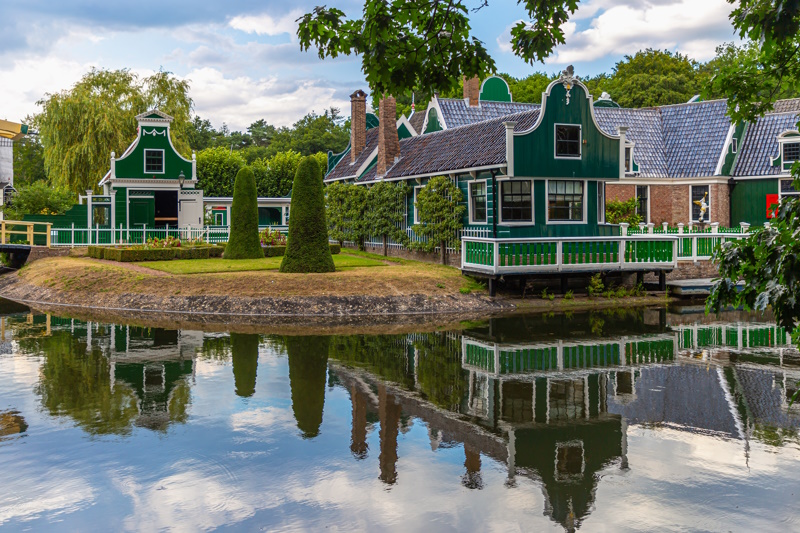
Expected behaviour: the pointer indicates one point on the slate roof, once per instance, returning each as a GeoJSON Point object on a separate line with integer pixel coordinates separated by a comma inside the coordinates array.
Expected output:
{"type": "Point", "coordinates": [456, 112]}
{"type": "Point", "coordinates": [694, 136]}
{"type": "Point", "coordinates": [644, 130]}
{"type": "Point", "coordinates": [760, 143]}
{"type": "Point", "coordinates": [786, 106]}
{"type": "Point", "coordinates": [475, 145]}
{"type": "Point", "coordinates": [344, 169]}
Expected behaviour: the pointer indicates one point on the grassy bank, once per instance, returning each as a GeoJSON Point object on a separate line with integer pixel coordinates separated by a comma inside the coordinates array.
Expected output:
{"type": "Point", "coordinates": [356, 275]}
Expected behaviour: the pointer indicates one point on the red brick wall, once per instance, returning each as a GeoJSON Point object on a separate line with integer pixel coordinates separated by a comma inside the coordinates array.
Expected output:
{"type": "Point", "coordinates": [721, 204]}
{"type": "Point", "coordinates": [388, 141]}
{"type": "Point", "coordinates": [358, 124]}
{"type": "Point", "coordinates": [618, 193]}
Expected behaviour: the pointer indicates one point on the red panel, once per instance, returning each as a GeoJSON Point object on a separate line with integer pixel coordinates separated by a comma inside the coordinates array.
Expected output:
{"type": "Point", "coordinates": [772, 204]}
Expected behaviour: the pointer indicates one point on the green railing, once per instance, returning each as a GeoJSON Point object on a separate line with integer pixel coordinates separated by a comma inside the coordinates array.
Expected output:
{"type": "Point", "coordinates": [732, 336]}
{"type": "Point", "coordinates": [479, 253]}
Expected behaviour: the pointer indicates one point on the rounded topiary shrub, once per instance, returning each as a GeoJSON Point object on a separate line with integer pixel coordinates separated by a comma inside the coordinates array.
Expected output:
{"type": "Point", "coordinates": [243, 242]}
{"type": "Point", "coordinates": [307, 248]}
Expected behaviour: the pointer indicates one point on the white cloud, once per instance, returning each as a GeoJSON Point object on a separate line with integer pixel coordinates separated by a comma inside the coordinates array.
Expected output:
{"type": "Point", "coordinates": [265, 24]}
{"type": "Point", "coordinates": [602, 28]}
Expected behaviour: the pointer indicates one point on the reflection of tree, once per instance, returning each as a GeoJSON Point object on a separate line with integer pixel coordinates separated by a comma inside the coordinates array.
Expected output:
{"type": "Point", "coordinates": [358, 435]}
{"type": "Point", "coordinates": [386, 356]}
{"type": "Point", "coordinates": [308, 363]}
{"type": "Point", "coordinates": [441, 376]}
{"type": "Point", "coordinates": [244, 353]}
{"type": "Point", "coordinates": [217, 348]}
{"type": "Point", "coordinates": [77, 383]}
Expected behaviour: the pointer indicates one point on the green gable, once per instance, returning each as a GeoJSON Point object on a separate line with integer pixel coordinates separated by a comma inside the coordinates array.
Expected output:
{"type": "Point", "coordinates": [132, 165]}
{"type": "Point", "coordinates": [495, 89]}
{"type": "Point", "coordinates": [433, 121]}
{"type": "Point", "coordinates": [535, 151]}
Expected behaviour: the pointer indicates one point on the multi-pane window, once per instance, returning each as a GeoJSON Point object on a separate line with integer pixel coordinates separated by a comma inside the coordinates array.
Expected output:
{"type": "Point", "coordinates": [568, 140]}
{"type": "Point", "coordinates": [477, 198]}
{"type": "Point", "coordinates": [516, 201]}
{"type": "Point", "coordinates": [787, 188]}
{"type": "Point", "coordinates": [628, 159]}
{"type": "Point", "coordinates": [791, 152]}
{"type": "Point", "coordinates": [642, 201]}
{"type": "Point", "coordinates": [416, 211]}
{"type": "Point", "coordinates": [565, 201]}
{"type": "Point", "coordinates": [101, 215]}
{"type": "Point", "coordinates": [154, 161]}
{"type": "Point", "coordinates": [699, 197]}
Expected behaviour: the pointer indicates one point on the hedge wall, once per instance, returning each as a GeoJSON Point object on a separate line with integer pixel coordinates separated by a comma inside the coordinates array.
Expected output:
{"type": "Point", "coordinates": [127, 255]}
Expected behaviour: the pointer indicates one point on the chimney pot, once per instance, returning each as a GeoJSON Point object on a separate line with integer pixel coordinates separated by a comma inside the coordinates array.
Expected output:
{"type": "Point", "coordinates": [472, 91]}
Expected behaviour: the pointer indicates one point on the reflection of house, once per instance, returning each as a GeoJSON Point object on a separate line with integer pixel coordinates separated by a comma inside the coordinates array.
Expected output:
{"type": "Point", "coordinates": [11, 423]}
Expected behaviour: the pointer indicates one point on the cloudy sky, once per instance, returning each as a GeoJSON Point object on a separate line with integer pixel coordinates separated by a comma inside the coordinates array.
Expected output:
{"type": "Point", "coordinates": [243, 61]}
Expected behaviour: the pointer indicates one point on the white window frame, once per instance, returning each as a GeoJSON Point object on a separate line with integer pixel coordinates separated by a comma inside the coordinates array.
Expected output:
{"type": "Point", "coordinates": [416, 211]}
{"type": "Point", "coordinates": [499, 197]}
{"type": "Point", "coordinates": [601, 194]}
{"type": "Point", "coordinates": [547, 203]}
{"type": "Point", "coordinates": [788, 140]}
{"type": "Point", "coordinates": [469, 201]}
{"type": "Point", "coordinates": [734, 145]}
{"type": "Point", "coordinates": [781, 194]}
{"type": "Point", "coordinates": [649, 191]}
{"type": "Point", "coordinates": [691, 204]}
{"type": "Point", "coordinates": [163, 160]}
{"type": "Point", "coordinates": [580, 142]}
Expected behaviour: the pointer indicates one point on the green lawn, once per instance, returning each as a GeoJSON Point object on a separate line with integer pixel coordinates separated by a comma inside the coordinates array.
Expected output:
{"type": "Point", "coordinates": [209, 266]}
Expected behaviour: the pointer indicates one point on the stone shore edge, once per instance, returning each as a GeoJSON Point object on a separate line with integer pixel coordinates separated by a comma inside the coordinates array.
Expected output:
{"type": "Point", "coordinates": [13, 288]}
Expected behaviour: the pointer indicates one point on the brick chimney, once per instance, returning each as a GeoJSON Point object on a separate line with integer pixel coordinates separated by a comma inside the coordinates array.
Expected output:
{"type": "Point", "coordinates": [388, 141]}
{"type": "Point", "coordinates": [358, 124]}
{"type": "Point", "coordinates": [472, 91]}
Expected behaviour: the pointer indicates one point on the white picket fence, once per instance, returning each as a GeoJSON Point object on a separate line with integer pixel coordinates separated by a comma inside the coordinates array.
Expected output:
{"type": "Point", "coordinates": [97, 236]}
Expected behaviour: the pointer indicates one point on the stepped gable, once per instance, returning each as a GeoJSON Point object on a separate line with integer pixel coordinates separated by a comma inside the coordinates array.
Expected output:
{"type": "Point", "coordinates": [760, 143]}
{"type": "Point", "coordinates": [645, 131]}
{"type": "Point", "coordinates": [694, 136]}
{"type": "Point", "coordinates": [457, 113]}
{"type": "Point", "coordinates": [344, 169]}
{"type": "Point", "coordinates": [454, 149]}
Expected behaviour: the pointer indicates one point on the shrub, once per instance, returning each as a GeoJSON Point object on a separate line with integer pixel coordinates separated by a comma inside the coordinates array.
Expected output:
{"type": "Point", "coordinates": [307, 248]}
{"type": "Point", "coordinates": [440, 215]}
{"type": "Point", "coordinates": [130, 255]}
{"type": "Point", "coordinates": [622, 211]}
{"type": "Point", "coordinates": [569, 295]}
{"type": "Point", "coordinates": [192, 252]}
{"type": "Point", "coordinates": [386, 212]}
{"type": "Point", "coordinates": [547, 296]}
{"type": "Point", "coordinates": [215, 251]}
{"type": "Point", "coordinates": [335, 249]}
{"type": "Point", "coordinates": [243, 242]}
{"type": "Point", "coordinates": [595, 285]}
{"type": "Point", "coordinates": [167, 242]}
{"type": "Point", "coordinates": [39, 198]}
{"type": "Point", "coordinates": [345, 212]}
{"type": "Point", "coordinates": [95, 252]}
{"type": "Point", "coordinates": [272, 237]}
{"type": "Point", "coordinates": [274, 251]}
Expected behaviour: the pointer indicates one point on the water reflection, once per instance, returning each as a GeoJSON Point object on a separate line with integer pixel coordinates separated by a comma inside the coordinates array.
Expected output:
{"type": "Point", "coordinates": [551, 400]}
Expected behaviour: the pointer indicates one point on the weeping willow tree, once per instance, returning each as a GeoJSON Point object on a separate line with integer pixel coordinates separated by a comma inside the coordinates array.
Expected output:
{"type": "Point", "coordinates": [80, 127]}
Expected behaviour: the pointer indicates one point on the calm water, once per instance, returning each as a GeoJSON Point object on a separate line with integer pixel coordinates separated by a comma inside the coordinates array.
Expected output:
{"type": "Point", "coordinates": [604, 422]}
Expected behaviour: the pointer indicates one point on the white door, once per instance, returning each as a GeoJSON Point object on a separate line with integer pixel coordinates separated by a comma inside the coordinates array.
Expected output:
{"type": "Point", "coordinates": [190, 208]}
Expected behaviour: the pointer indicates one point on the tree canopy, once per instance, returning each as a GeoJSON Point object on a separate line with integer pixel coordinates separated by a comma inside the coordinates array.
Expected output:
{"type": "Point", "coordinates": [80, 127]}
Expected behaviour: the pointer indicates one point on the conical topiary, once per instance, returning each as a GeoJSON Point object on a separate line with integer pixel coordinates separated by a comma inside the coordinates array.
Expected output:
{"type": "Point", "coordinates": [243, 242]}
{"type": "Point", "coordinates": [307, 248]}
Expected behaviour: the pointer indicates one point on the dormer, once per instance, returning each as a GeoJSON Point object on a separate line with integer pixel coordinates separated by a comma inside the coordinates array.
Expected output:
{"type": "Point", "coordinates": [788, 150]}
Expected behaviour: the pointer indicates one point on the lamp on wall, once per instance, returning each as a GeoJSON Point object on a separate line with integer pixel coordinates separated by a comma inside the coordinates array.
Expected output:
{"type": "Point", "coordinates": [181, 179]}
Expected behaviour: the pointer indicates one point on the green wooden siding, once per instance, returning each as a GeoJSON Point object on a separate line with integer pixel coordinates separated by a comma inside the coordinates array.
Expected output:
{"type": "Point", "coordinates": [730, 155]}
{"type": "Point", "coordinates": [534, 152]}
{"type": "Point", "coordinates": [433, 121]}
{"type": "Point", "coordinates": [132, 165]}
{"type": "Point", "coordinates": [143, 211]}
{"type": "Point", "coordinates": [749, 200]}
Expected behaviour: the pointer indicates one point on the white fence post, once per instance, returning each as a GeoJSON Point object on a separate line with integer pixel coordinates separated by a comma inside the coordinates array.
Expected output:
{"type": "Point", "coordinates": [745, 227]}
{"type": "Point", "coordinates": [665, 226]}
{"type": "Point", "coordinates": [623, 229]}
{"type": "Point", "coordinates": [72, 235]}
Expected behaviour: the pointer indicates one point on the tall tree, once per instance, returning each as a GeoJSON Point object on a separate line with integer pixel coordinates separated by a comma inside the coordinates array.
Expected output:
{"type": "Point", "coordinates": [654, 77]}
{"type": "Point", "coordinates": [79, 128]}
{"type": "Point", "coordinates": [28, 162]}
{"type": "Point", "coordinates": [387, 206]}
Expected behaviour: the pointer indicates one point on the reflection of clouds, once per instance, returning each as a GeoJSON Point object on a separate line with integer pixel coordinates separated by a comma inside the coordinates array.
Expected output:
{"type": "Point", "coordinates": [189, 500]}
{"type": "Point", "coordinates": [38, 490]}
{"type": "Point", "coordinates": [263, 420]}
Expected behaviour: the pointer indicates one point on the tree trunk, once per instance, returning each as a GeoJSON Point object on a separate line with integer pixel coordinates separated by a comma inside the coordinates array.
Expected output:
{"type": "Point", "coordinates": [443, 247]}
{"type": "Point", "coordinates": [385, 246]}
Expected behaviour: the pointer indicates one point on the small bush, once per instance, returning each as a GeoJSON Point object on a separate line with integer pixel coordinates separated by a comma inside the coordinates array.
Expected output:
{"type": "Point", "coordinates": [274, 251]}
{"type": "Point", "coordinates": [192, 252]}
{"type": "Point", "coordinates": [335, 249]}
{"type": "Point", "coordinates": [596, 286]}
{"type": "Point", "coordinates": [569, 295]}
{"type": "Point", "coordinates": [131, 255]}
{"type": "Point", "coordinates": [215, 251]}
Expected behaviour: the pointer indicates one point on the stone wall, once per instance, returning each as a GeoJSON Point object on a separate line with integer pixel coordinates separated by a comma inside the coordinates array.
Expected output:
{"type": "Point", "coordinates": [453, 259]}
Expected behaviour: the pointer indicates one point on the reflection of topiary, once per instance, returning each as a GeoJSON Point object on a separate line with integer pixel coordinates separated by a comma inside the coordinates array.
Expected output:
{"type": "Point", "coordinates": [243, 242]}
{"type": "Point", "coordinates": [308, 365]}
{"type": "Point", "coordinates": [307, 249]}
{"type": "Point", "coordinates": [244, 356]}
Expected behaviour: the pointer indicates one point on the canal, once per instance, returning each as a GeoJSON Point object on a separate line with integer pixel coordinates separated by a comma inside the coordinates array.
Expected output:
{"type": "Point", "coordinates": [606, 421]}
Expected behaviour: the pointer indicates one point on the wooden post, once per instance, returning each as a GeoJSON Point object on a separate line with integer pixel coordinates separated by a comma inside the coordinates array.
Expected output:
{"type": "Point", "coordinates": [49, 236]}
{"type": "Point", "coordinates": [30, 234]}
{"type": "Point", "coordinates": [3, 232]}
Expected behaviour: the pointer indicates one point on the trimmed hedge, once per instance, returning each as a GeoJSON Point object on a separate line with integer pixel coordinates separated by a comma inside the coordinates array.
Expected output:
{"type": "Point", "coordinates": [307, 248]}
{"type": "Point", "coordinates": [192, 252]}
{"type": "Point", "coordinates": [274, 251]}
{"type": "Point", "coordinates": [95, 251]}
{"type": "Point", "coordinates": [335, 249]}
{"type": "Point", "coordinates": [243, 242]}
{"type": "Point", "coordinates": [215, 251]}
{"type": "Point", "coordinates": [128, 255]}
